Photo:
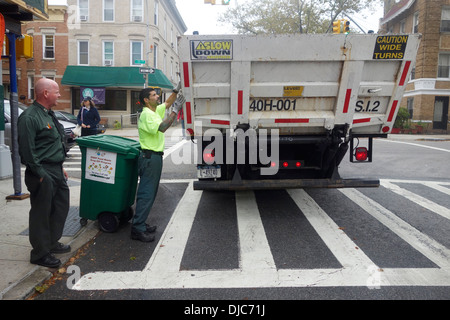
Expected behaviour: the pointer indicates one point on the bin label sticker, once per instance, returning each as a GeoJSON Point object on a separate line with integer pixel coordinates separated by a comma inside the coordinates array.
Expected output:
{"type": "Point", "coordinates": [100, 165]}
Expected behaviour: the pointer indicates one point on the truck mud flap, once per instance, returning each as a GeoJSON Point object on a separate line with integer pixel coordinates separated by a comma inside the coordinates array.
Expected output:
{"type": "Point", "coordinates": [284, 184]}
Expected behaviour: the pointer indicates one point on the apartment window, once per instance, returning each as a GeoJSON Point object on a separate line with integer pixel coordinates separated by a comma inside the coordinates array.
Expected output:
{"type": "Point", "coordinates": [83, 52]}
{"type": "Point", "coordinates": [49, 46]}
{"type": "Point", "coordinates": [137, 11]}
{"type": "Point", "coordinates": [108, 10]}
{"type": "Point", "coordinates": [83, 7]}
{"type": "Point", "coordinates": [416, 23]}
{"type": "Point", "coordinates": [402, 26]}
{"type": "Point", "coordinates": [155, 17]}
{"type": "Point", "coordinates": [445, 20]}
{"type": "Point", "coordinates": [165, 28]}
{"type": "Point", "coordinates": [165, 64]}
{"type": "Point", "coordinates": [413, 74]}
{"type": "Point", "coordinates": [444, 65]}
{"type": "Point", "coordinates": [155, 56]}
{"type": "Point", "coordinates": [410, 107]}
{"type": "Point", "coordinates": [31, 87]}
{"type": "Point", "coordinates": [108, 53]}
{"type": "Point", "coordinates": [136, 51]}
{"type": "Point", "coordinates": [49, 76]}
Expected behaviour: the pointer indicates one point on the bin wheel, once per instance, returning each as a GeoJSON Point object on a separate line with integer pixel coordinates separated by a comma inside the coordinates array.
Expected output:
{"type": "Point", "coordinates": [83, 222]}
{"type": "Point", "coordinates": [108, 222]}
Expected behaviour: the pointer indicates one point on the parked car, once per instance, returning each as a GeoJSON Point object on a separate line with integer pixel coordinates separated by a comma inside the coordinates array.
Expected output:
{"type": "Point", "coordinates": [69, 140]}
{"type": "Point", "coordinates": [66, 116]}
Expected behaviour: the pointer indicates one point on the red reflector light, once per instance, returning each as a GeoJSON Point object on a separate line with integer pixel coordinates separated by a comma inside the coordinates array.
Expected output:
{"type": "Point", "coordinates": [285, 164]}
{"type": "Point", "coordinates": [208, 156]}
{"type": "Point", "coordinates": [361, 154]}
{"type": "Point", "coordinates": [298, 164]}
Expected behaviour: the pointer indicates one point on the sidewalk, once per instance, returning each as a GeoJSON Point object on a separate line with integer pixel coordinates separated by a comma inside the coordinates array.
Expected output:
{"type": "Point", "coordinates": [18, 277]}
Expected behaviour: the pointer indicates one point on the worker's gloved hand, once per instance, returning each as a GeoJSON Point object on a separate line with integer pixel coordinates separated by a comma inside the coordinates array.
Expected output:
{"type": "Point", "coordinates": [178, 104]}
{"type": "Point", "coordinates": [177, 88]}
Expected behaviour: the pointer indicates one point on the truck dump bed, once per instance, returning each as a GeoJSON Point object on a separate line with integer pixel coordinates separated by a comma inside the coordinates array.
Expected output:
{"type": "Point", "coordinates": [300, 84]}
{"type": "Point", "coordinates": [314, 94]}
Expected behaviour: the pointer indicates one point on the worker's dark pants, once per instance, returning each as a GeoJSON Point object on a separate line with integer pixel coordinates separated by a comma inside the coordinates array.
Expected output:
{"type": "Point", "coordinates": [150, 168]}
{"type": "Point", "coordinates": [49, 207]}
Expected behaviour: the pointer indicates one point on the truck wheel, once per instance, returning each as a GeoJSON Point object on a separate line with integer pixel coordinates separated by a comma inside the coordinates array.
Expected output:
{"type": "Point", "coordinates": [108, 222]}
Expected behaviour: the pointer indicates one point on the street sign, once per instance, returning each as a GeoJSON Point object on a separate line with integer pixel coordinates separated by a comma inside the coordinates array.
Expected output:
{"type": "Point", "coordinates": [146, 70]}
{"type": "Point", "coordinates": [139, 61]}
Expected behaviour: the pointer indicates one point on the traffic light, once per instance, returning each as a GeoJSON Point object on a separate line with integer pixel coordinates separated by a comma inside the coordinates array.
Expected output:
{"type": "Point", "coordinates": [337, 26]}
{"type": "Point", "coordinates": [24, 47]}
{"type": "Point", "coordinates": [346, 26]}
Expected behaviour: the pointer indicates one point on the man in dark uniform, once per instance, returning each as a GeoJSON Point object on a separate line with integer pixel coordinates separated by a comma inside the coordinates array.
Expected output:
{"type": "Point", "coordinates": [41, 149]}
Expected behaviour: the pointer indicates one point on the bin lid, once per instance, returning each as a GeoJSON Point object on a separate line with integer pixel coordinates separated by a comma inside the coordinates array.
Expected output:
{"type": "Point", "coordinates": [110, 143]}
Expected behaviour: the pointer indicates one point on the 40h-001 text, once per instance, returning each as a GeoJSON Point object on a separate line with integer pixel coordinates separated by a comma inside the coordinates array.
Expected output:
{"type": "Point", "coordinates": [273, 105]}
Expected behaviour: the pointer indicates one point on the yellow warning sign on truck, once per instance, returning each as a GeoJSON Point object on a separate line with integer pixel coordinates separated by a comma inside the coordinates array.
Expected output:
{"type": "Point", "coordinates": [390, 47]}
{"type": "Point", "coordinates": [292, 91]}
{"type": "Point", "coordinates": [212, 50]}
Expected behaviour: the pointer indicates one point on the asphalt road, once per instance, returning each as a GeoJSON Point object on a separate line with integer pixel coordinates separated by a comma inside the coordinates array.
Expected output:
{"type": "Point", "coordinates": [380, 243]}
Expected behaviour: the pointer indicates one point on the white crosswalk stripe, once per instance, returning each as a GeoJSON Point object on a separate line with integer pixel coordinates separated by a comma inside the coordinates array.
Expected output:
{"type": "Point", "coordinates": [257, 267]}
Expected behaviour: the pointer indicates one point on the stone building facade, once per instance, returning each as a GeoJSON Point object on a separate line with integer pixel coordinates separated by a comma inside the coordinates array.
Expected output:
{"type": "Point", "coordinates": [428, 91]}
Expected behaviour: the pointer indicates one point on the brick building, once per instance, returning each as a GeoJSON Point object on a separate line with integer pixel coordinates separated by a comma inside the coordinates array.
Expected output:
{"type": "Point", "coordinates": [101, 44]}
{"type": "Point", "coordinates": [50, 49]}
{"type": "Point", "coordinates": [427, 94]}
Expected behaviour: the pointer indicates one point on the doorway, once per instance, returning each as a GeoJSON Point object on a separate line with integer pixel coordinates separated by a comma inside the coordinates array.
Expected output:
{"type": "Point", "coordinates": [440, 116]}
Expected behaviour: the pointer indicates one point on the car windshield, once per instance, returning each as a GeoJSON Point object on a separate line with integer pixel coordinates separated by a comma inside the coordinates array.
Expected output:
{"type": "Point", "coordinates": [22, 107]}
{"type": "Point", "coordinates": [66, 115]}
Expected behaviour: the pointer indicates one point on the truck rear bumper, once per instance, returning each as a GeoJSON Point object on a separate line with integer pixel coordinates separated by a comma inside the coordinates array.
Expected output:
{"type": "Point", "coordinates": [284, 184]}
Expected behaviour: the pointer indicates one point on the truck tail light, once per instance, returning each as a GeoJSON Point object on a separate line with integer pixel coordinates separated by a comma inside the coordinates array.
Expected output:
{"type": "Point", "coordinates": [290, 164]}
{"type": "Point", "coordinates": [209, 155]}
{"type": "Point", "coordinates": [361, 154]}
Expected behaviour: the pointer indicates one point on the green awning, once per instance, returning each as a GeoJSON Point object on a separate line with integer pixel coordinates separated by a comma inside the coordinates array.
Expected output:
{"type": "Point", "coordinates": [87, 76]}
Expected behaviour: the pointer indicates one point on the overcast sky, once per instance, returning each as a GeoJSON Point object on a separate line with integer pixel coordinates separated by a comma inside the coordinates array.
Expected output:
{"type": "Point", "coordinates": [202, 17]}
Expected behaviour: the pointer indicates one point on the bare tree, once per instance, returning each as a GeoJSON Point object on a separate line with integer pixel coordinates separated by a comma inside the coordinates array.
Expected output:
{"type": "Point", "coordinates": [291, 16]}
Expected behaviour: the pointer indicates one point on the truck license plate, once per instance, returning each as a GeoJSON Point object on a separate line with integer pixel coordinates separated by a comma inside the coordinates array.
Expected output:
{"type": "Point", "coordinates": [205, 172]}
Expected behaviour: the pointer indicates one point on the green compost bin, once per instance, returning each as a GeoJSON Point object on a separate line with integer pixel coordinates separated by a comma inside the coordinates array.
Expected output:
{"type": "Point", "coordinates": [109, 176]}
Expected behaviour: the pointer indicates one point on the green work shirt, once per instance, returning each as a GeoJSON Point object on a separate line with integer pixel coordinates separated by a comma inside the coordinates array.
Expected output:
{"type": "Point", "coordinates": [150, 137]}
{"type": "Point", "coordinates": [40, 140]}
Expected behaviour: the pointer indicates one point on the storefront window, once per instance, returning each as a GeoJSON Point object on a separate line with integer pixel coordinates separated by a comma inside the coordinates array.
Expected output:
{"type": "Point", "coordinates": [115, 100]}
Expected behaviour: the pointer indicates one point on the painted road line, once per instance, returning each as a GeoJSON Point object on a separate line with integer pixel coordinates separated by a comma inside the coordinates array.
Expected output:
{"type": "Point", "coordinates": [427, 246]}
{"type": "Point", "coordinates": [427, 204]}
{"type": "Point", "coordinates": [416, 145]}
{"type": "Point", "coordinates": [163, 269]}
